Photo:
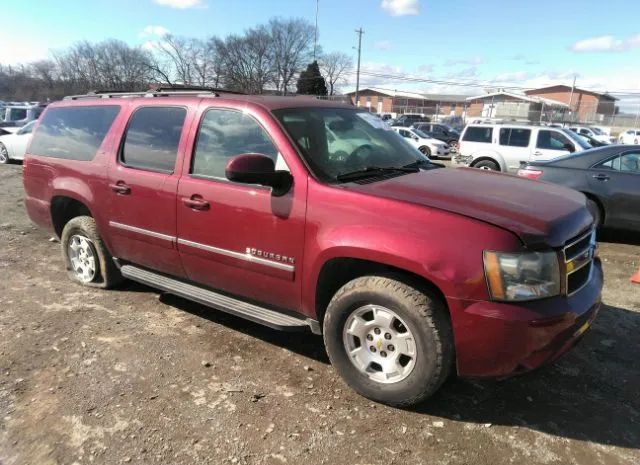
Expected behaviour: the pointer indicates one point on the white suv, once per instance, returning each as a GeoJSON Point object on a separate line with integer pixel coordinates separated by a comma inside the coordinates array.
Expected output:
{"type": "Point", "coordinates": [503, 147]}
{"type": "Point", "coordinates": [632, 136]}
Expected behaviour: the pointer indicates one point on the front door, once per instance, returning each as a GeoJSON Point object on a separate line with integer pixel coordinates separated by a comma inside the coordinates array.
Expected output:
{"type": "Point", "coordinates": [550, 144]}
{"type": "Point", "coordinates": [619, 179]}
{"type": "Point", "coordinates": [142, 186]}
{"type": "Point", "coordinates": [239, 238]}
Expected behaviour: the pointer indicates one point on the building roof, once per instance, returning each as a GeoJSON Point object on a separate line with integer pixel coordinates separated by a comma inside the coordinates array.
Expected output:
{"type": "Point", "coordinates": [412, 95]}
{"type": "Point", "coordinates": [576, 89]}
{"type": "Point", "coordinates": [523, 97]}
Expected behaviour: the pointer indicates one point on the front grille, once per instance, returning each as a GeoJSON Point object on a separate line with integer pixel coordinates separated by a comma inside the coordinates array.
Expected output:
{"type": "Point", "coordinates": [578, 258]}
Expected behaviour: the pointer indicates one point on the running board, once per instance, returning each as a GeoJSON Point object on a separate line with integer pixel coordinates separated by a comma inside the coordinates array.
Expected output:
{"type": "Point", "coordinates": [255, 313]}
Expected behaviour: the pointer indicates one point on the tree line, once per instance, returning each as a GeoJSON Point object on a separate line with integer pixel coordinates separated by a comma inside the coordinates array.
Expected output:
{"type": "Point", "coordinates": [274, 57]}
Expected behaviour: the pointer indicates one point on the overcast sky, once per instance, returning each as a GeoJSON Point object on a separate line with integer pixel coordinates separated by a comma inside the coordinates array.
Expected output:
{"type": "Point", "coordinates": [523, 43]}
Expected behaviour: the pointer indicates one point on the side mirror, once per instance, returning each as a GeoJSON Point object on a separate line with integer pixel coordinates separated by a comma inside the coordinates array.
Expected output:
{"type": "Point", "coordinates": [255, 168]}
{"type": "Point", "coordinates": [415, 138]}
{"type": "Point", "coordinates": [569, 147]}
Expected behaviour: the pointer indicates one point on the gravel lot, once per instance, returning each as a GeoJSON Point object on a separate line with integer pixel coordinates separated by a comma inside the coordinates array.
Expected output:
{"type": "Point", "coordinates": [132, 376]}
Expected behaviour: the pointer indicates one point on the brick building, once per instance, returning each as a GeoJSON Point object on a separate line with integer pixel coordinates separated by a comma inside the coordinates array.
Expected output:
{"type": "Point", "coordinates": [395, 101]}
{"type": "Point", "coordinates": [586, 105]}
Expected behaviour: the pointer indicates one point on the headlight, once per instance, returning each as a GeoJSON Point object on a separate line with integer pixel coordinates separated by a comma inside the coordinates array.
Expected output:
{"type": "Point", "coordinates": [522, 276]}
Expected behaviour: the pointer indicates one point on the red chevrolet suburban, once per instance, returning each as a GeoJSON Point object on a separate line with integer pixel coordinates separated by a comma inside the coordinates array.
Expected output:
{"type": "Point", "coordinates": [305, 214]}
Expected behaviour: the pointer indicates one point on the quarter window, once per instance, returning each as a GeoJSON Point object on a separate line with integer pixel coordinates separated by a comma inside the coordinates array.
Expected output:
{"type": "Point", "coordinates": [73, 133]}
{"type": "Point", "coordinates": [224, 134]}
{"type": "Point", "coordinates": [551, 140]}
{"type": "Point", "coordinates": [478, 134]}
{"type": "Point", "coordinates": [152, 138]}
{"type": "Point", "coordinates": [515, 137]}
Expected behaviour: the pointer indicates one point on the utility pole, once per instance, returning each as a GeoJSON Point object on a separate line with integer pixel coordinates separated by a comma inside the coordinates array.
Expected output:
{"type": "Point", "coordinates": [359, 32]}
{"type": "Point", "coordinates": [573, 87]}
{"type": "Point", "coordinates": [315, 36]}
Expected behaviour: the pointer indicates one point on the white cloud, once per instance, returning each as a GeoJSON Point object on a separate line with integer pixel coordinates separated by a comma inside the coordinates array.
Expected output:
{"type": "Point", "coordinates": [157, 31]}
{"type": "Point", "coordinates": [180, 4]}
{"type": "Point", "coordinates": [475, 61]}
{"type": "Point", "coordinates": [384, 45]}
{"type": "Point", "coordinates": [21, 51]}
{"type": "Point", "coordinates": [606, 44]}
{"type": "Point", "coordinates": [401, 7]}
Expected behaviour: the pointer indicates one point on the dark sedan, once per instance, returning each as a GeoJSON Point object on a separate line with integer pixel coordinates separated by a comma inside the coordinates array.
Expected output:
{"type": "Point", "coordinates": [609, 177]}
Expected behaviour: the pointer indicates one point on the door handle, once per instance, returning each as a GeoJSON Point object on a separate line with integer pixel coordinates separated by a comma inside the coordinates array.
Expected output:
{"type": "Point", "coordinates": [121, 188]}
{"type": "Point", "coordinates": [601, 177]}
{"type": "Point", "coordinates": [537, 153]}
{"type": "Point", "coordinates": [196, 202]}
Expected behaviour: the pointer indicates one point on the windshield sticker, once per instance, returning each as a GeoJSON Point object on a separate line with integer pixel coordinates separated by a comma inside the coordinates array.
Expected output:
{"type": "Point", "coordinates": [374, 121]}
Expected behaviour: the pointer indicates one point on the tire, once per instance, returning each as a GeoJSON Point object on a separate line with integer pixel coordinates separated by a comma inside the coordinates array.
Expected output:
{"type": "Point", "coordinates": [487, 165]}
{"type": "Point", "coordinates": [4, 155]}
{"type": "Point", "coordinates": [595, 211]}
{"type": "Point", "coordinates": [428, 334]}
{"type": "Point", "coordinates": [425, 151]}
{"type": "Point", "coordinates": [81, 232]}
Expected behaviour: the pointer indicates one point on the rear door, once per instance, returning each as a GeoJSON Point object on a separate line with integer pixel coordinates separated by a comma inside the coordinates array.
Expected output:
{"type": "Point", "coordinates": [239, 238]}
{"type": "Point", "coordinates": [143, 181]}
{"type": "Point", "coordinates": [514, 146]}
{"type": "Point", "coordinates": [550, 144]}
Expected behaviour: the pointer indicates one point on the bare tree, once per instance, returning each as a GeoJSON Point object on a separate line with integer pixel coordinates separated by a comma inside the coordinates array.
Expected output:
{"type": "Point", "coordinates": [291, 43]}
{"type": "Point", "coordinates": [333, 67]}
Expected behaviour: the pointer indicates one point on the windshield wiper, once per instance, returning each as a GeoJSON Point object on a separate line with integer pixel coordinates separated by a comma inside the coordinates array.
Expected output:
{"type": "Point", "coordinates": [425, 164]}
{"type": "Point", "coordinates": [375, 171]}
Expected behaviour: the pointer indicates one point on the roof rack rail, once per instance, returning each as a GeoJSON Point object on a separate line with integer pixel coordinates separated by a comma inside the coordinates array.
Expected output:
{"type": "Point", "coordinates": [162, 91]}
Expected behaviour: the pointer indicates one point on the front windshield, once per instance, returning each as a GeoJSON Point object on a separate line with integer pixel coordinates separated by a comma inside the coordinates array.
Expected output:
{"type": "Point", "coordinates": [576, 138]}
{"type": "Point", "coordinates": [597, 131]}
{"type": "Point", "coordinates": [336, 141]}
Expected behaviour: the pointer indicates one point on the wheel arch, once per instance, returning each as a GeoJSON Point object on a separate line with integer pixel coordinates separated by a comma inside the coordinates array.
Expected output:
{"type": "Point", "coordinates": [598, 201]}
{"type": "Point", "coordinates": [64, 208]}
{"type": "Point", "coordinates": [337, 271]}
{"type": "Point", "coordinates": [493, 158]}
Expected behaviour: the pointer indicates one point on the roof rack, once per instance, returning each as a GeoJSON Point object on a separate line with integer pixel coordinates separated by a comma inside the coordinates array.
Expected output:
{"type": "Point", "coordinates": [162, 91]}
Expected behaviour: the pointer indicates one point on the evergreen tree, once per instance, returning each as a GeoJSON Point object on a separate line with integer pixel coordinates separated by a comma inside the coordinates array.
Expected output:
{"type": "Point", "coordinates": [311, 82]}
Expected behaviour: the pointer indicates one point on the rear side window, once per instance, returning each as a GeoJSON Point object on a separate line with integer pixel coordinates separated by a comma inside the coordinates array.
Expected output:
{"type": "Point", "coordinates": [478, 134]}
{"type": "Point", "coordinates": [224, 134]}
{"type": "Point", "coordinates": [74, 133]}
{"type": "Point", "coordinates": [515, 137]}
{"type": "Point", "coordinates": [152, 138]}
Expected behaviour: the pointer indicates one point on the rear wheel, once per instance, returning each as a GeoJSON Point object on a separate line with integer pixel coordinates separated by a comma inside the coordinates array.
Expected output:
{"type": "Point", "coordinates": [389, 341]}
{"type": "Point", "coordinates": [425, 150]}
{"type": "Point", "coordinates": [487, 165]}
{"type": "Point", "coordinates": [4, 155]}
{"type": "Point", "coordinates": [87, 259]}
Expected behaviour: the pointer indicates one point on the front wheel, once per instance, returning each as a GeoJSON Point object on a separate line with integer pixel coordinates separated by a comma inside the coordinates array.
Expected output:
{"type": "Point", "coordinates": [425, 151]}
{"type": "Point", "coordinates": [87, 259]}
{"type": "Point", "coordinates": [489, 165]}
{"type": "Point", "coordinates": [389, 341]}
{"type": "Point", "coordinates": [4, 155]}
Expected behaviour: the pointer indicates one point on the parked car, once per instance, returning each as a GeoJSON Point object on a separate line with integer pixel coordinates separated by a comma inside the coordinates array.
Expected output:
{"type": "Point", "coordinates": [409, 119]}
{"type": "Point", "coordinates": [236, 202]}
{"type": "Point", "coordinates": [441, 132]}
{"type": "Point", "coordinates": [504, 147]}
{"type": "Point", "coordinates": [425, 143]}
{"type": "Point", "coordinates": [593, 133]}
{"type": "Point", "coordinates": [14, 145]}
{"type": "Point", "coordinates": [630, 136]}
{"type": "Point", "coordinates": [608, 176]}
{"type": "Point", "coordinates": [591, 141]}
{"type": "Point", "coordinates": [19, 115]}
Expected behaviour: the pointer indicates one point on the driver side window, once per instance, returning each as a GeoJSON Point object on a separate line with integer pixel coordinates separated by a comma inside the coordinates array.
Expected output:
{"type": "Point", "coordinates": [224, 134]}
{"type": "Point", "coordinates": [551, 140]}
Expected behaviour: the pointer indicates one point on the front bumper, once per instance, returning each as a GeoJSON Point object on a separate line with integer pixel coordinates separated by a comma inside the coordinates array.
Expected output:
{"type": "Point", "coordinates": [495, 339]}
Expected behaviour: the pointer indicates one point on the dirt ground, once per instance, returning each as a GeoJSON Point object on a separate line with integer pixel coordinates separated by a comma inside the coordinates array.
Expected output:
{"type": "Point", "coordinates": [132, 376]}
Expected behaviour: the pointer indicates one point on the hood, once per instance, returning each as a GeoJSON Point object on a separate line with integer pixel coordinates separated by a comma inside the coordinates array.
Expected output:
{"type": "Point", "coordinates": [542, 215]}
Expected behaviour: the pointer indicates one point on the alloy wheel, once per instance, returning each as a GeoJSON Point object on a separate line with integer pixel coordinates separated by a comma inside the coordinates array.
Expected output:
{"type": "Point", "coordinates": [83, 258]}
{"type": "Point", "coordinates": [379, 344]}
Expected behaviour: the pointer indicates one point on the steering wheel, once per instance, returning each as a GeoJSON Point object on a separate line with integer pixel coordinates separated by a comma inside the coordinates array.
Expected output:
{"type": "Point", "coordinates": [359, 156]}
